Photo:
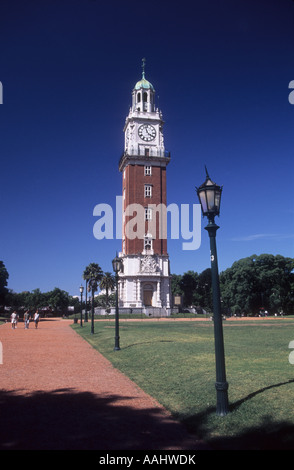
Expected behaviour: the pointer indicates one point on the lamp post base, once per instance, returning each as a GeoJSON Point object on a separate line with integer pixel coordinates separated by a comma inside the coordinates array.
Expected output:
{"type": "Point", "coordinates": [222, 403]}
{"type": "Point", "coordinates": [116, 343]}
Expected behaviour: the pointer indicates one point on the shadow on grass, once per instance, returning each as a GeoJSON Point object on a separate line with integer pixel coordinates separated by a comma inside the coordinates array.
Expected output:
{"type": "Point", "coordinates": [238, 403]}
{"type": "Point", "coordinates": [64, 419]}
{"type": "Point", "coordinates": [148, 342]}
{"type": "Point", "coordinates": [269, 435]}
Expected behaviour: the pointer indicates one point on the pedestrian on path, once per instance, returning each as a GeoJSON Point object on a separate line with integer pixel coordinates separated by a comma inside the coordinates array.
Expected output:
{"type": "Point", "coordinates": [36, 318]}
{"type": "Point", "coordinates": [26, 319]}
{"type": "Point", "coordinates": [13, 318]}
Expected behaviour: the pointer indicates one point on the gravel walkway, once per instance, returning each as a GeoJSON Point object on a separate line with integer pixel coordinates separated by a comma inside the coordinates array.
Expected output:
{"type": "Point", "coordinates": [58, 393]}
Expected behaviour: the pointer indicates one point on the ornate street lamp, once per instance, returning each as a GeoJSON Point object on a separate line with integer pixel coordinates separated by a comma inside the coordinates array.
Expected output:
{"type": "Point", "coordinates": [117, 266]}
{"type": "Point", "coordinates": [86, 302]}
{"type": "Point", "coordinates": [81, 291]}
{"type": "Point", "coordinates": [209, 195]}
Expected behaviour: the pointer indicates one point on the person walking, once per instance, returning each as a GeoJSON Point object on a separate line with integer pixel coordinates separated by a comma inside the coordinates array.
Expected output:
{"type": "Point", "coordinates": [36, 318]}
{"type": "Point", "coordinates": [26, 319]}
{"type": "Point", "coordinates": [13, 318]}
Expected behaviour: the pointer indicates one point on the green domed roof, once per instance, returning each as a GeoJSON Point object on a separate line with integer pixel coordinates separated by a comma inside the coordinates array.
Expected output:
{"type": "Point", "coordinates": [144, 84]}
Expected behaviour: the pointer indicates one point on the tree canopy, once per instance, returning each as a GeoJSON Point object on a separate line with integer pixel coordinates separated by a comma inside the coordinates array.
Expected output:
{"type": "Point", "coordinates": [108, 283]}
{"type": "Point", "coordinates": [93, 274]}
{"type": "Point", "coordinates": [250, 285]}
{"type": "Point", "coordinates": [195, 288]}
{"type": "Point", "coordinates": [56, 300]}
{"type": "Point", "coordinates": [256, 283]}
{"type": "Point", "coordinates": [3, 281]}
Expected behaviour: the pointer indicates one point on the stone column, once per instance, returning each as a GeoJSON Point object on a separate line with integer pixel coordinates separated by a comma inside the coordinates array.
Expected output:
{"type": "Point", "coordinates": [158, 294]}
{"type": "Point", "coordinates": [139, 297]}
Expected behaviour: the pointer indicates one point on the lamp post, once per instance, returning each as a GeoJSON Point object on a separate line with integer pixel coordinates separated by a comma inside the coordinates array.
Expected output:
{"type": "Point", "coordinates": [93, 287]}
{"type": "Point", "coordinates": [86, 304]}
{"type": "Point", "coordinates": [117, 266]}
{"type": "Point", "coordinates": [209, 195]}
{"type": "Point", "coordinates": [81, 291]}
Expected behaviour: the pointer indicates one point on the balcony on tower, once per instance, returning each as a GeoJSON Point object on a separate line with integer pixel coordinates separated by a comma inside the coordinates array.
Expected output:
{"type": "Point", "coordinates": [143, 154]}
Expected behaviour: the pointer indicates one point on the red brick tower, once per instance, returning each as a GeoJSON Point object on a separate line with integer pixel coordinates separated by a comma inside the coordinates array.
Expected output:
{"type": "Point", "coordinates": [145, 280]}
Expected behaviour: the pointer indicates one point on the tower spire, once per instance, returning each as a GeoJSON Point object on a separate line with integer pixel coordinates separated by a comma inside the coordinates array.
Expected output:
{"type": "Point", "coordinates": [143, 67]}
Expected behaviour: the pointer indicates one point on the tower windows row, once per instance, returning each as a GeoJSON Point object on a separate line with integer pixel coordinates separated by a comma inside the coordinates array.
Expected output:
{"type": "Point", "coordinates": [147, 187]}
{"type": "Point", "coordinates": [143, 101]}
{"type": "Point", "coordinates": [144, 97]}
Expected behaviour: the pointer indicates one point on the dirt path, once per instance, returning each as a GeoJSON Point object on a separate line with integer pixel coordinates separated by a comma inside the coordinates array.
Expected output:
{"type": "Point", "coordinates": [57, 392]}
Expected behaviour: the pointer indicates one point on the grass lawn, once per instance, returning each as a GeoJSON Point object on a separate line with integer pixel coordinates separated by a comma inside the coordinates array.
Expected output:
{"type": "Point", "coordinates": [174, 362]}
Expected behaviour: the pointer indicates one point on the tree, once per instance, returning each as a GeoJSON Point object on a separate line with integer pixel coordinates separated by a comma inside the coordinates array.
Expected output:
{"type": "Point", "coordinates": [196, 289]}
{"type": "Point", "coordinates": [58, 299]}
{"type": "Point", "coordinates": [86, 274]}
{"type": "Point", "coordinates": [15, 300]}
{"type": "Point", "coordinates": [93, 274]}
{"type": "Point", "coordinates": [3, 282]}
{"type": "Point", "coordinates": [204, 289]}
{"type": "Point", "coordinates": [107, 282]}
{"type": "Point", "coordinates": [188, 285]}
{"type": "Point", "coordinates": [259, 282]}
{"type": "Point", "coordinates": [175, 284]}
{"type": "Point", "coordinates": [35, 299]}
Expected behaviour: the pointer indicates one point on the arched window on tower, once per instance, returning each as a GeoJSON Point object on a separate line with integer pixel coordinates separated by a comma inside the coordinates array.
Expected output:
{"type": "Point", "coordinates": [148, 243]}
{"type": "Point", "coordinates": [145, 100]}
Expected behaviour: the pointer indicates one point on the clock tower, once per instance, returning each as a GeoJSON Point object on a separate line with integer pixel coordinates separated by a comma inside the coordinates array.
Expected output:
{"type": "Point", "coordinates": [145, 280]}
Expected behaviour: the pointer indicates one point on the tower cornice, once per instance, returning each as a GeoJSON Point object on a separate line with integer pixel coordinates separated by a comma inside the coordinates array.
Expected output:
{"type": "Point", "coordinates": [137, 116]}
{"type": "Point", "coordinates": [161, 160]}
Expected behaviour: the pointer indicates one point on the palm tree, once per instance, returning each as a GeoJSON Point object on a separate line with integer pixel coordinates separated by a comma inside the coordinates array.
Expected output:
{"type": "Point", "coordinates": [107, 282]}
{"type": "Point", "coordinates": [93, 274]}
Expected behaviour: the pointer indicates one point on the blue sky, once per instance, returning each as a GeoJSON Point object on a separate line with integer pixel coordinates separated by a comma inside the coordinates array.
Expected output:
{"type": "Point", "coordinates": [221, 71]}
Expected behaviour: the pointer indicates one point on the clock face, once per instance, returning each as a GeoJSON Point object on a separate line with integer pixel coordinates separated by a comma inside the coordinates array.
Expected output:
{"type": "Point", "coordinates": [147, 132]}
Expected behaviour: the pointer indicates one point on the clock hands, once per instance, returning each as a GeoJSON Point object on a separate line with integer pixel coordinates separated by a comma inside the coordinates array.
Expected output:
{"type": "Point", "coordinates": [147, 132]}
{"type": "Point", "coordinates": [150, 131]}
